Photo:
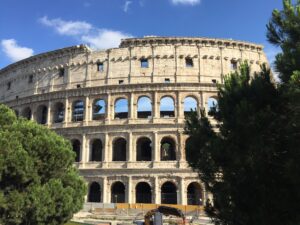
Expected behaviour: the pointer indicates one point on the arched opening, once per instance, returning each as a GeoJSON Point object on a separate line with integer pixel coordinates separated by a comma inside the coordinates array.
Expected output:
{"type": "Point", "coordinates": [167, 149]}
{"type": "Point", "coordinates": [194, 194]}
{"type": "Point", "coordinates": [144, 149]}
{"type": "Point", "coordinates": [119, 149]}
{"type": "Point", "coordinates": [78, 111]}
{"type": "Point", "coordinates": [143, 193]}
{"type": "Point", "coordinates": [41, 115]}
{"type": "Point", "coordinates": [167, 108]}
{"type": "Point", "coordinates": [168, 193]}
{"type": "Point", "coordinates": [211, 104]}
{"type": "Point", "coordinates": [94, 192]}
{"type": "Point", "coordinates": [190, 104]}
{"type": "Point", "coordinates": [118, 192]}
{"type": "Point", "coordinates": [76, 149]}
{"type": "Point", "coordinates": [96, 150]}
{"type": "Point", "coordinates": [26, 113]}
{"type": "Point", "coordinates": [121, 108]}
{"type": "Point", "coordinates": [144, 107]}
{"type": "Point", "coordinates": [98, 109]}
{"type": "Point", "coordinates": [59, 112]}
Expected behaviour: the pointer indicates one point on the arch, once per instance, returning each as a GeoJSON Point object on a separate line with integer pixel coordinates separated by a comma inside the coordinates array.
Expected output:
{"type": "Point", "coordinates": [99, 109]}
{"type": "Point", "coordinates": [189, 105]}
{"type": "Point", "coordinates": [76, 148]}
{"type": "Point", "coordinates": [78, 111]}
{"type": "Point", "coordinates": [26, 113]}
{"type": "Point", "coordinates": [212, 102]}
{"type": "Point", "coordinates": [144, 149]}
{"type": "Point", "coordinates": [58, 112]}
{"type": "Point", "coordinates": [143, 193]}
{"type": "Point", "coordinates": [194, 194]}
{"type": "Point", "coordinates": [167, 149]}
{"type": "Point", "coordinates": [96, 150]}
{"type": "Point", "coordinates": [121, 108]}
{"type": "Point", "coordinates": [144, 107]}
{"type": "Point", "coordinates": [167, 107]}
{"type": "Point", "coordinates": [94, 192]}
{"type": "Point", "coordinates": [168, 193]}
{"type": "Point", "coordinates": [41, 114]}
{"type": "Point", "coordinates": [118, 192]}
{"type": "Point", "coordinates": [119, 149]}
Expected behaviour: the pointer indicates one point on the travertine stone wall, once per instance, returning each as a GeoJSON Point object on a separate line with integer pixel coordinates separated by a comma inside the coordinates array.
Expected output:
{"type": "Point", "coordinates": [37, 83]}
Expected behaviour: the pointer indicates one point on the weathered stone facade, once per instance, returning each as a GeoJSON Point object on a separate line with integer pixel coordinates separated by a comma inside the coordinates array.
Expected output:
{"type": "Point", "coordinates": [133, 155]}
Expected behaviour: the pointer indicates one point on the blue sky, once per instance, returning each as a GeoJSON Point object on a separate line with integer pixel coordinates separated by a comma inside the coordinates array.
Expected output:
{"type": "Point", "coordinates": [29, 27]}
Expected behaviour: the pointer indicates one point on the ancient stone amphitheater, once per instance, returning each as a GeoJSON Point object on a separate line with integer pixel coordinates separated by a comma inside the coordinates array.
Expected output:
{"type": "Point", "coordinates": [123, 109]}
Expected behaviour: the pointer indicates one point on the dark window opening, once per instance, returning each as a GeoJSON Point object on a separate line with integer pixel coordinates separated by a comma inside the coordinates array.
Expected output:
{"type": "Point", "coordinates": [189, 62]}
{"type": "Point", "coordinates": [42, 114]}
{"type": "Point", "coordinates": [100, 67]}
{"type": "Point", "coordinates": [144, 63]}
{"type": "Point", "coordinates": [8, 85]}
{"type": "Point", "coordinates": [59, 113]}
{"type": "Point", "coordinates": [168, 193]}
{"type": "Point", "coordinates": [76, 149]}
{"type": "Point", "coordinates": [121, 81]}
{"type": "Point", "coordinates": [26, 113]}
{"type": "Point", "coordinates": [143, 193]}
{"type": "Point", "coordinates": [96, 154]}
{"type": "Point", "coordinates": [214, 81]}
{"type": "Point", "coordinates": [30, 79]}
{"type": "Point", "coordinates": [61, 72]}
{"type": "Point", "coordinates": [190, 105]}
{"type": "Point", "coordinates": [167, 80]}
{"type": "Point", "coordinates": [119, 150]}
{"type": "Point", "coordinates": [194, 194]}
{"type": "Point", "coordinates": [78, 86]}
{"type": "Point", "coordinates": [167, 150]}
{"type": "Point", "coordinates": [233, 65]}
{"type": "Point", "coordinates": [144, 149]}
{"type": "Point", "coordinates": [118, 192]}
{"type": "Point", "coordinates": [94, 193]}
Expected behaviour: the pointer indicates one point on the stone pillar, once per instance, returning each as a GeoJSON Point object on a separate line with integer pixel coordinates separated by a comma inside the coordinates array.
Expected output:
{"type": "Point", "coordinates": [88, 71]}
{"type": "Point", "coordinates": [155, 105]}
{"type": "Point", "coordinates": [221, 61]}
{"type": "Point", "coordinates": [199, 62]}
{"type": "Point", "coordinates": [107, 66]}
{"type": "Point", "coordinates": [108, 109]}
{"type": "Point", "coordinates": [132, 111]}
{"type": "Point", "coordinates": [105, 190]}
{"type": "Point", "coordinates": [129, 147]}
{"type": "Point", "coordinates": [180, 113]}
{"type": "Point", "coordinates": [153, 63]}
{"type": "Point", "coordinates": [156, 191]}
{"type": "Point", "coordinates": [67, 111]}
{"type": "Point", "coordinates": [183, 196]}
{"type": "Point", "coordinates": [156, 148]}
{"type": "Point", "coordinates": [83, 158]}
{"type": "Point", "coordinates": [129, 72]}
{"type": "Point", "coordinates": [49, 114]}
{"type": "Point", "coordinates": [129, 190]}
{"type": "Point", "coordinates": [86, 110]}
{"type": "Point", "coordinates": [181, 150]}
{"type": "Point", "coordinates": [105, 150]}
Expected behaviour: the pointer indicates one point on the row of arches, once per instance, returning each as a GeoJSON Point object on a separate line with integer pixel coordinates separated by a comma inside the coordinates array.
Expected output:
{"type": "Point", "coordinates": [121, 109]}
{"type": "Point", "coordinates": [144, 149]}
{"type": "Point", "coordinates": [144, 193]}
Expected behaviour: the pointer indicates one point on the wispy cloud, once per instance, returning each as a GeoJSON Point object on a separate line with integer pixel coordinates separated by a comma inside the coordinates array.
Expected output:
{"type": "Point", "coordinates": [185, 2]}
{"type": "Point", "coordinates": [14, 51]}
{"type": "Point", "coordinates": [126, 6]}
{"type": "Point", "coordinates": [99, 38]}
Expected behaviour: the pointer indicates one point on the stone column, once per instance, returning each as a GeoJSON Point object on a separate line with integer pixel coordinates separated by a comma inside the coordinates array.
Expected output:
{"type": "Point", "coordinates": [199, 62]}
{"type": "Point", "coordinates": [108, 109]}
{"type": "Point", "coordinates": [155, 104]}
{"type": "Point", "coordinates": [129, 148]}
{"type": "Point", "coordinates": [67, 111]}
{"type": "Point", "coordinates": [83, 149]}
{"type": "Point", "coordinates": [129, 190]}
{"type": "Point", "coordinates": [132, 110]}
{"type": "Point", "coordinates": [87, 72]}
{"type": "Point", "coordinates": [180, 113]}
{"type": "Point", "coordinates": [156, 191]}
{"type": "Point", "coordinates": [106, 148]}
{"type": "Point", "coordinates": [105, 190]}
{"type": "Point", "coordinates": [129, 72]}
{"type": "Point", "coordinates": [153, 61]}
{"type": "Point", "coordinates": [107, 66]}
{"type": "Point", "coordinates": [86, 110]}
{"type": "Point", "coordinates": [49, 114]}
{"type": "Point", "coordinates": [221, 61]}
{"type": "Point", "coordinates": [181, 150]}
{"type": "Point", "coordinates": [156, 148]}
{"type": "Point", "coordinates": [183, 197]}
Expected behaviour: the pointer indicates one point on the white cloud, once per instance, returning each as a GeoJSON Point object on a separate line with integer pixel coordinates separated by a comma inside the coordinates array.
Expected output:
{"type": "Point", "coordinates": [126, 6]}
{"type": "Point", "coordinates": [104, 38]}
{"type": "Point", "coordinates": [186, 2]}
{"type": "Point", "coordinates": [63, 27]}
{"type": "Point", "coordinates": [14, 51]}
{"type": "Point", "coordinates": [98, 38]}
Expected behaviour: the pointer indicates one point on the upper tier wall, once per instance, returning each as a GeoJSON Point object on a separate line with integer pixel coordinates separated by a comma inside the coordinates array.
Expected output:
{"type": "Point", "coordinates": [166, 62]}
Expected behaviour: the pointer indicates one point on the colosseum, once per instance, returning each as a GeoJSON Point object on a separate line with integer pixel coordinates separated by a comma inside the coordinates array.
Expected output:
{"type": "Point", "coordinates": [123, 109]}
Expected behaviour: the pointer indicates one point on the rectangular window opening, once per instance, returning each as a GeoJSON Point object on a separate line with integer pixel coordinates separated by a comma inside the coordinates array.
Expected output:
{"type": "Point", "coordinates": [121, 81]}
{"type": "Point", "coordinates": [167, 80]}
{"type": "Point", "coordinates": [100, 67]}
{"type": "Point", "coordinates": [214, 81]}
{"type": "Point", "coordinates": [78, 86]}
{"type": "Point", "coordinates": [144, 63]}
{"type": "Point", "coordinates": [8, 85]}
{"type": "Point", "coordinates": [189, 62]}
{"type": "Point", "coordinates": [233, 65]}
{"type": "Point", "coordinates": [30, 79]}
{"type": "Point", "coordinates": [61, 72]}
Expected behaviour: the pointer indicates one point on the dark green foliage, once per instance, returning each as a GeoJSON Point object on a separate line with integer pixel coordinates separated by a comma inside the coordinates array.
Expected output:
{"type": "Point", "coordinates": [38, 182]}
{"type": "Point", "coordinates": [251, 165]}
